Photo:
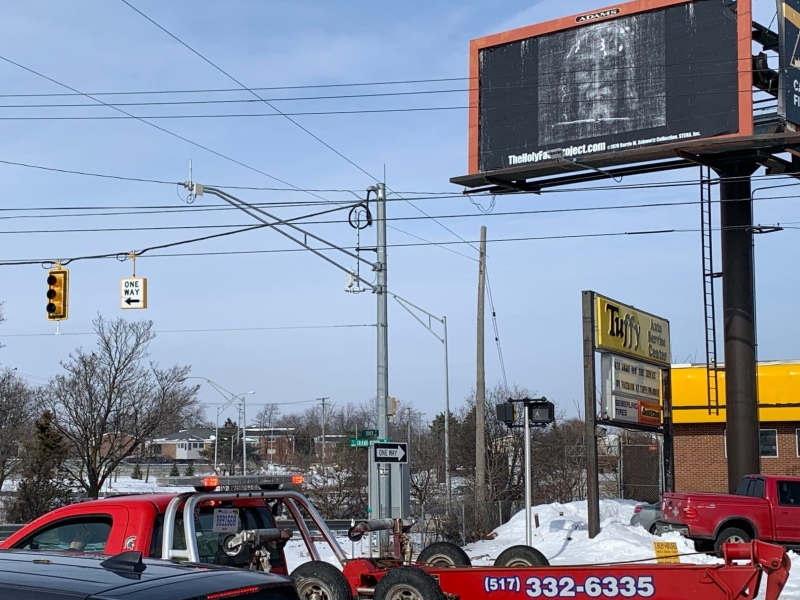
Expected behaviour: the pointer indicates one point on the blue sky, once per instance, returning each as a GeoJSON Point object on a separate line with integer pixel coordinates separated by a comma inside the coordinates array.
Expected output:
{"type": "Point", "coordinates": [105, 46]}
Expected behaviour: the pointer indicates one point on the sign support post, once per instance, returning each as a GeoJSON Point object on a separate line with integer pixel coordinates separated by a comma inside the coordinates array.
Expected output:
{"type": "Point", "coordinates": [528, 500]}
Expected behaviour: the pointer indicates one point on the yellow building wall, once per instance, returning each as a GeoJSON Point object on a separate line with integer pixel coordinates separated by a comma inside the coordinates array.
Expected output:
{"type": "Point", "coordinates": [778, 393]}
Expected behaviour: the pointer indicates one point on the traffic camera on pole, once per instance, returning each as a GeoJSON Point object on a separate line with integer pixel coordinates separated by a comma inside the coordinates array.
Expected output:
{"type": "Point", "coordinates": [57, 292]}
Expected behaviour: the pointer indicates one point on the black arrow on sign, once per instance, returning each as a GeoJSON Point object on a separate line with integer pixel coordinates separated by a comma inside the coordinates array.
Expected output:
{"type": "Point", "coordinates": [130, 301]}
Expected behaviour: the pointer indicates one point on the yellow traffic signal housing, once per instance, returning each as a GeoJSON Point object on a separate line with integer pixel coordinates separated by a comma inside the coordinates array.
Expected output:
{"type": "Point", "coordinates": [57, 293]}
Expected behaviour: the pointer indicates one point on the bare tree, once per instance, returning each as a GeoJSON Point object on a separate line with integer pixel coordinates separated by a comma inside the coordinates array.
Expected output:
{"type": "Point", "coordinates": [17, 412]}
{"type": "Point", "coordinates": [109, 401]}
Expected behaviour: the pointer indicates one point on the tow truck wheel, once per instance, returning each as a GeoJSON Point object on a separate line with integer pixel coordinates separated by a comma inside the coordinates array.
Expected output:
{"type": "Point", "coordinates": [732, 535]}
{"type": "Point", "coordinates": [317, 580]}
{"type": "Point", "coordinates": [408, 583]}
{"type": "Point", "coordinates": [521, 556]}
{"type": "Point", "coordinates": [444, 554]}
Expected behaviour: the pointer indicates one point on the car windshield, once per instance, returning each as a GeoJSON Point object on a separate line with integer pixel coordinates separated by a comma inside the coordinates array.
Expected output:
{"type": "Point", "coordinates": [210, 538]}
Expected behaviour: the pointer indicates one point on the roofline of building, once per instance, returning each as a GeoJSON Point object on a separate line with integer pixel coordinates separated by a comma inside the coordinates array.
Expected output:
{"type": "Point", "coordinates": [721, 366]}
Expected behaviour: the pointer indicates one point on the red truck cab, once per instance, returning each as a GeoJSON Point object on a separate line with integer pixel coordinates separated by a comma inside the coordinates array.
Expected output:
{"type": "Point", "coordinates": [764, 507]}
{"type": "Point", "coordinates": [136, 522]}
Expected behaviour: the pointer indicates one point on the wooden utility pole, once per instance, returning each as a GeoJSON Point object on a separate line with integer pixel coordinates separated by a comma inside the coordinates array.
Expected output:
{"type": "Point", "coordinates": [480, 385]}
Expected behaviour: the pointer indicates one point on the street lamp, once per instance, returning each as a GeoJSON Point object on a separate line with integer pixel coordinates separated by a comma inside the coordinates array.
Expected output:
{"type": "Point", "coordinates": [230, 398]}
{"type": "Point", "coordinates": [443, 339]}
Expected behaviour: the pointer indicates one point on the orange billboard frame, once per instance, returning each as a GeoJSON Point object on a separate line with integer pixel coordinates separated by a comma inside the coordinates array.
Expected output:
{"type": "Point", "coordinates": [744, 57]}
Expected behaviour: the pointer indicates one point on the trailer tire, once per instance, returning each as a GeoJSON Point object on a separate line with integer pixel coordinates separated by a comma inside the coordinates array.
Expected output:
{"type": "Point", "coordinates": [521, 556]}
{"type": "Point", "coordinates": [444, 554]}
{"type": "Point", "coordinates": [408, 583]}
{"type": "Point", "coordinates": [322, 581]}
{"type": "Point", "coordinates": [731, 534]}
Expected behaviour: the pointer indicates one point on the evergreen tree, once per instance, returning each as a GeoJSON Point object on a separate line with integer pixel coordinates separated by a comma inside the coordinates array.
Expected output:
{"type": "Point", "coordinates": [137, 472]}
{"type": "Point", "coordinates": [174, 470]}
{"type": "Point", "coordinates": [189, 472]}
{"type": "Point", "coordinates": [44, 485]}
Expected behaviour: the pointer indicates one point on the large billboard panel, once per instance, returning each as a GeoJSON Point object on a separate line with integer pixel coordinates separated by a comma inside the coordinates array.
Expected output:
{"type": "Point", "coordinates": [630, 76]}
{"type": "Point", "coordinates": [789, 34]}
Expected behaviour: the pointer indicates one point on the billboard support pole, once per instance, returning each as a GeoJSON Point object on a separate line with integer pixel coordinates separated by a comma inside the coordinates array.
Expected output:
{"type": "Point", "coordinates": [738, 301]}
{"type": "Point", "coordinates": [590, 408]}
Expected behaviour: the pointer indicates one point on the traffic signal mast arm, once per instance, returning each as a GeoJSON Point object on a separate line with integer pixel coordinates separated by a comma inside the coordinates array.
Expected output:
{"type": "Point", "coordinates": [198, 190]}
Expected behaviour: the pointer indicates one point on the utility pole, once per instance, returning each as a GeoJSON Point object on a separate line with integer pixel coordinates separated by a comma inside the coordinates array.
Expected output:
{"type": "Point", "coordinates": [480, 385]}
{"type": "Point", "coordinates": [385, 496]}
{"type": "Point", "coordinates": [322, 401]}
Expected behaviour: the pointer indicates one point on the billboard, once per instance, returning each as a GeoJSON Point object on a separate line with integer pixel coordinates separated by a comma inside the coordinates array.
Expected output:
{"type": "Point", "coordinates": [789, 34]}
{"type": "Point", "coordinates": [634, 75]}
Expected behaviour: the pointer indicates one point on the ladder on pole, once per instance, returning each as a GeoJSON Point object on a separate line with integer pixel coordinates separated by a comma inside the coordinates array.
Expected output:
{"type": "Point", "coordinates": [709, 307]}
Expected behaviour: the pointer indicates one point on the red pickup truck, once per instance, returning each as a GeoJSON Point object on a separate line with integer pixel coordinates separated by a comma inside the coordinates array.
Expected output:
{"type": "Point", "coordinates": [764, 507]}
{"type": "Point", "coordinates": [238, 531]}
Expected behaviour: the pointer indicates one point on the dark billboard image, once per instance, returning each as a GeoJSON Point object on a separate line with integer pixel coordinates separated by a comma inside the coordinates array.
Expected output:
{"type": "Point", "coordinates": [609, 81]}
{"type": "Point", "coordinates": [789, 28]}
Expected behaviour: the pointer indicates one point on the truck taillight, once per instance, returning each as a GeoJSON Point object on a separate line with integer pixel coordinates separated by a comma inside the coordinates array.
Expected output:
{"type": "Point", "coordinates": [690, 513]}
{"type": "Point", "coordinates": [638, 509]}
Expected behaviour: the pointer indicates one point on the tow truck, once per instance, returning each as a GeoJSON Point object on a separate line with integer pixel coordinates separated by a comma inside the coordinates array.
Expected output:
{"type": "Point", "coordinates": [237, 527]}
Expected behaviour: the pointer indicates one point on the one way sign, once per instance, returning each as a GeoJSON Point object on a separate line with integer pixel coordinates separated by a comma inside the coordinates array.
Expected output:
{"type": "Point", "coordinates": [133, 292]}
{"type": "Point", "coordinates": [392, 452]}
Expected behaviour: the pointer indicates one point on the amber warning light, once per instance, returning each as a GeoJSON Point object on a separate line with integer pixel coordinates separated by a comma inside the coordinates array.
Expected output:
{"type": "Point", "coordinates": [297, 479]}
{"type": "Point", "coordinates": [207, 484]}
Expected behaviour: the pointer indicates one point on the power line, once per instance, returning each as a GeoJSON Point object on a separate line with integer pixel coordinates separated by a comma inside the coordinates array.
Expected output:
{"type": "Point", "coordinates": [446, 194]}
{"type": "Point", "coordinates": [496, 330]}
{"type": "Point", "coordinates": [243, 86]}
{"type": "Point", "coordinates": [181, 210]}
{"type": "Point", "coordinates": [147, 122]}
{"type": "Point", "coordinates": [356, 84]}
{"type": "Point", "coordinates": [214, 330]}
{"type": "Point", "coordinates": [187, 140]}
{"type": "Point", "coordinates": [288, 115]}
{"type": "Point", "coordinates": [504, 88]}
{"type": "Point", "coordinates": [118, 255]}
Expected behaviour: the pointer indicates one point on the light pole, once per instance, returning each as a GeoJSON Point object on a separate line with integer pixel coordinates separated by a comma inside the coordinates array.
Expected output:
{"type": "Point", "coordinates": [443, 339]}
{"type": "Point", "coordinates": [230, 398]}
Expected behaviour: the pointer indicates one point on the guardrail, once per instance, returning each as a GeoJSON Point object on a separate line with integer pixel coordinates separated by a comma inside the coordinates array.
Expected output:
{"type": "Point", "coordinates": [335, 525]}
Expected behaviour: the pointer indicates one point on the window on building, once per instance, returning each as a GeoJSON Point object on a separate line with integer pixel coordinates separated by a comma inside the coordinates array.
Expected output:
{"type": "Point", "coordinates": [797, 439]}
{"type": "Point", "coordinates": [769, 443]}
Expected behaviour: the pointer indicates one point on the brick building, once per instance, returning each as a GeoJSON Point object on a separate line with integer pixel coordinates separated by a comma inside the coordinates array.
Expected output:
{"type": "Point", "coordinates": [700, 455]}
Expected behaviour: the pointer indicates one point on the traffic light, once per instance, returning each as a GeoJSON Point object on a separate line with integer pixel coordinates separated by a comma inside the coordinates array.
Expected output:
{"type": "Point", "coordinates": [57, 292]}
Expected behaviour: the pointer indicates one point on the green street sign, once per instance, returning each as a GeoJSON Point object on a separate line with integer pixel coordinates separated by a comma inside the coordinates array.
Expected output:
{"type": "Point", "coordinates": [368, 434]}
{"type": "Point", "coordinates": [366, 443]}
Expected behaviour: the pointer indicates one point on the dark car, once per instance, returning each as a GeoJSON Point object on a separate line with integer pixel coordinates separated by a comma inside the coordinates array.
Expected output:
{"type": "Point", "coordinates": [29, 575]}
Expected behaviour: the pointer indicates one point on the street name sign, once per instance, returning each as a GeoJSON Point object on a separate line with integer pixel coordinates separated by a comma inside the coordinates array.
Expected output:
{"type": "Point", "coordinates": [369, 434]}
{"type": "Point", "coordinates": [133, 293]}
{"type": "Point", "coordinates": [392, 452]}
